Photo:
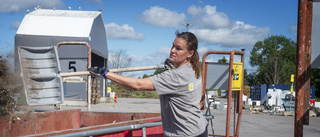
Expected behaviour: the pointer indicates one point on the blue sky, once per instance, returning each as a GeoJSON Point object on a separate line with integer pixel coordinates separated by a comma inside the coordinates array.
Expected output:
{"type": "Point", "coordinates": [146, 28]}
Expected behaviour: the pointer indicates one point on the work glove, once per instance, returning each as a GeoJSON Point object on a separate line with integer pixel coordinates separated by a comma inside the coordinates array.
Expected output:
{"type": "Point", "coordinates": [98, 70]}
{"type": "Point", "coordinates": [168, 65]}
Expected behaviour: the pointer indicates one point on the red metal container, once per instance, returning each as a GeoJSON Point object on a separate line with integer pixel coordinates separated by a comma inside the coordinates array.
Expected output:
{"type": "Point", "coordinates": [70, 121]}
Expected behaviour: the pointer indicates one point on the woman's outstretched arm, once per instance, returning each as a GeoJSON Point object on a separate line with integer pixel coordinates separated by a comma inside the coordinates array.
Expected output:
{"type": "Point", "coordinates": [129, 82]}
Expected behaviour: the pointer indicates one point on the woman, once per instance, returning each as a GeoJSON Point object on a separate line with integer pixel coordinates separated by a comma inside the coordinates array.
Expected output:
{"type": "Point", "coordinates": [179, 89]}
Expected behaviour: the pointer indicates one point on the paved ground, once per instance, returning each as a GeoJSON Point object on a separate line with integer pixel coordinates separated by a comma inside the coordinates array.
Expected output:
{"type": "Point", "coordinates": [252, 125]}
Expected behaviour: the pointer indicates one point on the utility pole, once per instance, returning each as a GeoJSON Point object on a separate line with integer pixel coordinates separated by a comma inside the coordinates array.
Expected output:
{"type": "Point", "coordinates": [275, 71]}
{"type": "Point", "coordinates": [275, 65]}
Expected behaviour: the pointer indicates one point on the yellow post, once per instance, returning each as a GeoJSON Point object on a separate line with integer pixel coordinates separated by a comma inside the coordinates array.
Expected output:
{"type": "Point", "coordinates": [292, 80]}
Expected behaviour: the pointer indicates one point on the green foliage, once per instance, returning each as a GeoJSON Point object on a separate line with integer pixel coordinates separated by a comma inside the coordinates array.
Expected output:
{"type": "Point", "coordinates": [123, 92]}
{"type": "Point", "coordinates": [275, 57]}
{"type": "Point", "coordinates": [145, 76]}
{"type": "Point", "coordinates": [276, 61]}
{"type": "Point", "coordinates": [158, 71]}
{"type": "Point", "coordinates": [7, 94]}
{"type": "Point", "coordinates": [248, 78]}
{"type": "Point", "coordinates": [223, 60]}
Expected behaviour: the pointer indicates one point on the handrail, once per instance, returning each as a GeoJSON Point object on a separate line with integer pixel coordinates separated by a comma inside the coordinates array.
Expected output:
{"type": "Point", "coordinates": [88, 66]}
{"type": "Point", "coordinates": [111, 130]}
{"type": "Point", "coordinates": [118, 129]}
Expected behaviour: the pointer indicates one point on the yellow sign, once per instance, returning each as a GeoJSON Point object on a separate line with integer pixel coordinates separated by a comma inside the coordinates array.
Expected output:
{"type": "Point", "coordinates": [237, 76]}
{"type": "Point", "coordinates": [108, 90]}
{"type": "Point", "coordinates": [292, 78]}
{"type": "Point", "coordinates": [291, 89]}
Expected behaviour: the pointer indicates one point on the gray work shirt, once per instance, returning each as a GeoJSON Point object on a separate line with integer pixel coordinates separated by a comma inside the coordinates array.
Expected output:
{"type": "Point", "coordinates": [180, 93]}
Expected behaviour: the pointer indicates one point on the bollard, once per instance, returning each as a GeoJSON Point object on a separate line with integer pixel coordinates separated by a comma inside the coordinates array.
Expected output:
{"type": "Point", "coordinates": [115, 97]}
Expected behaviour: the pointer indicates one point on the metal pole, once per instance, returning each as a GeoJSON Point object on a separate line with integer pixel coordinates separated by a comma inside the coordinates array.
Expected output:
{"type": "Point", "coordinates": [134, 69]}
{"type": "Point", "coordinates": [290, 97]}
{"type": "Point", "coordinates": [307, 64]}
{"type": "Point", "coordinates": [80, 73]}
{"type": "Point", "coordinates": [229, 94]}
{"type": "Point", "coordinates": [240, 96]}
{"type": "Point", "coordinates": [106, 131]}
{"type": "Point", "coordinates": [104, 88]}
{"type": "Point", "coordinates": [144, 133]}
{"type": "Point", "coordinates": [301, 38]}
{"type": "Point", "coordinates": [235, 98]}
{"type": "Point", "coordinates": [89, 93]}
{"type": "Point", "coordinates": [275, 71]}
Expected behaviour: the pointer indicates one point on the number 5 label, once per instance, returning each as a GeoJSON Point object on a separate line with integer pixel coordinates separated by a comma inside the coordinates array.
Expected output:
{"type": "Point", "coordinates": [71, 66]}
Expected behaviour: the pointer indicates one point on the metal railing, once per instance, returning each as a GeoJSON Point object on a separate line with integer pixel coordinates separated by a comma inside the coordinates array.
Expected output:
{"type": "Point", "coordinates": [106, 131]}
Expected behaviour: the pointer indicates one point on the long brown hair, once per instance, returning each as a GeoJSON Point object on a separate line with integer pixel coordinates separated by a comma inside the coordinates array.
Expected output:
{"type": "Point", "coordinates": [192, 43]}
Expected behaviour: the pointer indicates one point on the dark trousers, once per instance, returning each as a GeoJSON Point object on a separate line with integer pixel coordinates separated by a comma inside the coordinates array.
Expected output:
{"type": "Point", "coordinates": [205, 133]}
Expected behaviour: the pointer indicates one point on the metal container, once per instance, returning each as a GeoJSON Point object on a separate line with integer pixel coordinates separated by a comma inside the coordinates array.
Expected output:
{"type": "Point", "coordinates": [62, 122]}
{"type": "Point", "coordinates": [257, 92]}
{"type": "Point", "coordinates": [48, 27]}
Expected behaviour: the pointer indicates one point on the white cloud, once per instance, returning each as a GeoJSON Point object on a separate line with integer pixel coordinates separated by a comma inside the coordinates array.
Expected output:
{"type": "Point", "coordinates": [202, 50]}
{"type": "Point", "coordinates": [239, 34]}
{"type": "Point", "coordinates": [158, 16]}
{"type": "Point", "coordinates": [7, 6]}
{"type": "Point", "coordinates": [164, 50]}
{"type": "Point", "coordinates": [292, 29]}
{"type": "Point", "coordinates": [114, 31]}
{"type": "Point", "coordinates": [212, 27]}
{"type": "Point", "coordinates": [15, 25]}
{"type": "Point", "coordinates": [208, 17]}
{"type": "Point", "coordinates": [149, 60]}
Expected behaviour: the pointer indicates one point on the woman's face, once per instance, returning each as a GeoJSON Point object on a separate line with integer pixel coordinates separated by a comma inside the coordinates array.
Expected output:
{"type": "Point", "coordinates": [179, 53]}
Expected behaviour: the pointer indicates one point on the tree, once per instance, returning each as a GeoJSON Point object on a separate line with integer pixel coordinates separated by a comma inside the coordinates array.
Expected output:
{"type": "Point", "coordinates": [145, 76]}
{"type": "Point", "coordinates": [275, 57]}
{"type": "Point", "coordinates": [157, 71]}
{"type": "Point", "coordinates": [119, 59]}
{"type": "Point", "coordinates": [250, 78]}
{"type": "Point", "coordinates": [223, 60]}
